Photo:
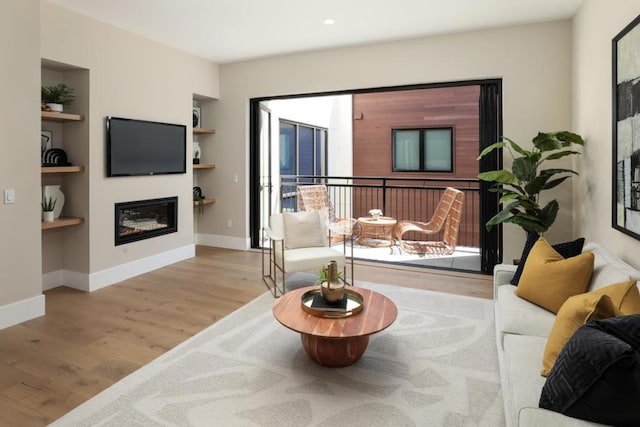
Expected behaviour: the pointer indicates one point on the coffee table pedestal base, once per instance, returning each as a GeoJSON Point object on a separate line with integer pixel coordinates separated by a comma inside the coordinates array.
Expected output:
{"type": "Point", "coordinates": [332, 352]}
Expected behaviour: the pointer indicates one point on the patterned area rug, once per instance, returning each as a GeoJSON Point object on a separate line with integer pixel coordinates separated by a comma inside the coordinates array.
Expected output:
{"type": "Point", "coordinates": [435, 366]}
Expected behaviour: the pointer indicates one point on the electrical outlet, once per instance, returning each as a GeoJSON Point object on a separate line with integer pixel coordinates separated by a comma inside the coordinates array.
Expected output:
{"type": "Point", "coordinates": [229, 223]}
{"type": "Point", "coordinates": [9, 196]}
{"type": "Point", "coordinates": [235, 178]}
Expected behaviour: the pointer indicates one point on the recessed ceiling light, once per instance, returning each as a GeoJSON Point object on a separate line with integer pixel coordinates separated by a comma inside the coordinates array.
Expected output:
{"type": "Point", "coordinates": [329, 21]}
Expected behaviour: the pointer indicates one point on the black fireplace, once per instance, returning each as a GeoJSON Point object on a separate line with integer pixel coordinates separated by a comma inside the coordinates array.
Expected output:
{"type": "Point", "coordinates": [144, 219]}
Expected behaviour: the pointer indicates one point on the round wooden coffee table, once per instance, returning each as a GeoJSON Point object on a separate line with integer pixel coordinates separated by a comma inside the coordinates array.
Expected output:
{"type": "Point", "coordinates": [336, 342]}
{"type": "Point", "coordinates": [376, 233]}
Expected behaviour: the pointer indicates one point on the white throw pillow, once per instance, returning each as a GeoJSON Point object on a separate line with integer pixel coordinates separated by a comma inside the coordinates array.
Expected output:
{"type": "Point", "coordinates": [303, 230]}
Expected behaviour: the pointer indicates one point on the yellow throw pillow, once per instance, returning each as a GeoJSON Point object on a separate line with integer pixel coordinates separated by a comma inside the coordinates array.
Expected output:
{"type": "Point", "coordinates": [575, 312]}
{"type": "Point", "coordinates": [548, 279]}
{"type": "Point", "coordinates": [625, 296]}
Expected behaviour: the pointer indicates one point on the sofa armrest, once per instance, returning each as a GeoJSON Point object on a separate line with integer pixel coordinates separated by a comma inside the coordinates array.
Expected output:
{"type": "Point", "coordinates": [502, 275]}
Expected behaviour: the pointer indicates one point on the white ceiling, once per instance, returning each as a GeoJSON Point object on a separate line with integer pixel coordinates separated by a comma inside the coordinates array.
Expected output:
{"type": "Point", "coordinates": [234, 30]}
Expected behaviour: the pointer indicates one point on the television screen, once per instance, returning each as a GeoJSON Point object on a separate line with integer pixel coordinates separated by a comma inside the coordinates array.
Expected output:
{"type": "Point", "coordinates": [139, 147]}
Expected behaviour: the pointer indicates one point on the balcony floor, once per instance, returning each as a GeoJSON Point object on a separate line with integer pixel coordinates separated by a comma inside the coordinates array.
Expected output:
{"type": "Point", "coordinates": [464, 258]}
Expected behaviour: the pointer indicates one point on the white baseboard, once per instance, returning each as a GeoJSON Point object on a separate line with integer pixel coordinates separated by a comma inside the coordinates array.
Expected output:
{"type": "Point", "coordinates": [110, 276]}
{"type": "Point", "coordinates": [52, 279]}
{"type": "Point", "coordinates": [122, 272]}
{"type": "Point", "coordinates": [238, 243]}
{"type": "Point", "coordinates": [21, 311]}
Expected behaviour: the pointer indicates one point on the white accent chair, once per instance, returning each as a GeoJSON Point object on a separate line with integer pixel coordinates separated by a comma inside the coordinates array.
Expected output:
{"type": "Point", "coordinates": [297, 242]}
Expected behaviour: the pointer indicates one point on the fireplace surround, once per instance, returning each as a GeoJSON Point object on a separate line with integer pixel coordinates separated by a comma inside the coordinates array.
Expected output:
{"type": "Point", "coordinates": [144, 219]}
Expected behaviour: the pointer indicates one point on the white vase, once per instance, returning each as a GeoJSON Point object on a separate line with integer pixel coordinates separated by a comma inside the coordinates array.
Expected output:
{"type": "Point", "coordinates": [197, 153]}
{"type": "Point", "coordinates": [56, 194]}
{"type": "Point", "coordinates": [55, 107]}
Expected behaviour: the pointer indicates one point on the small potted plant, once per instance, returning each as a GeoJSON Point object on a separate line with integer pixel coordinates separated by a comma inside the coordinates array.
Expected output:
{"type": "Point", "coordinates": [330, 285]}
{"type": "Point", "coordinates": [55, 97]}
{"type": "Point", "coordinates": [375, 214]}
{"type": "Point", "coordinates": [48, 204]}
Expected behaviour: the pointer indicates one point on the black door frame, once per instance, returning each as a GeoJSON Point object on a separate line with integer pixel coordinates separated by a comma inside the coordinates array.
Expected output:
{"type": "Point", "coordinates": [490, 241]}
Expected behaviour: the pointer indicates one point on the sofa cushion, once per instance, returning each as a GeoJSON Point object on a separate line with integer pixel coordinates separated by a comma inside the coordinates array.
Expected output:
{"type": "Point", "coordinates": [515, 315]}
{"type": "Point", "coordinates": [624, 295]}
{"type": "Point", "coordinates": [575, 312]}
{"type": "Point", "coordinates": [522, 355]}
{"type": "Point", "coordinates": [303, 230]}
{"type": "Point", "coordinates": [548, 279]}
{"type": "Point", "coordinates": [566, 249]}
{"type": "Point", "coordinates": [608, 268]}
{"type": "Point", "coordinates": [597, 374]}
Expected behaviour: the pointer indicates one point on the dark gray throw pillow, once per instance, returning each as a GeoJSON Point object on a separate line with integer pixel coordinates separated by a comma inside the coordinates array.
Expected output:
{"type": "Point", "coordinates": [566, 249]}
{"type": "Point", "coordinates": [597, 375]}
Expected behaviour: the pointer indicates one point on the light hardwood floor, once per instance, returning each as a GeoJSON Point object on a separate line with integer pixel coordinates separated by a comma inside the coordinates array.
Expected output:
{"type": "Point", "coordinates": [88, 341]}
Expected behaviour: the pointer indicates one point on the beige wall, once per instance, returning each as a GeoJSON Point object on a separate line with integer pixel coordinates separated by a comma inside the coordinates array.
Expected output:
{"type": "Point", "coordinates": [19, 165]}
{"type": "Point", "coordinates": [129, 76]}
{"type": "Point", "coordinates": [595, 25]}
{"type": "Point", "coordinates": [534, 62]}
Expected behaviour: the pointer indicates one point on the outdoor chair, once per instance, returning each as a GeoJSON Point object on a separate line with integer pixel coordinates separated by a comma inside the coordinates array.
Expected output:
{"type": "Point", "coordinates": [297, 243]}
{"type": "Point", "coordinates": [316, 198]}
{"type": "Point", "coordinates": [447, 216]}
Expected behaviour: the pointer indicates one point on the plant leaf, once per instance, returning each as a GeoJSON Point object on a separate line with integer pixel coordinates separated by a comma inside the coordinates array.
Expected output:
{"type": "Point", "coordinates": [555, 182]}
{"type": "Point", "coordinates": [524, 168]}
{"type": "Point", "coordinates": [500, 176]}
{"type": "Point", "coordinates": [490, 149]}
{"type": "Point", "coordinates": [516, 147]}
{"type": "Point", "coordinates": [560, 154]}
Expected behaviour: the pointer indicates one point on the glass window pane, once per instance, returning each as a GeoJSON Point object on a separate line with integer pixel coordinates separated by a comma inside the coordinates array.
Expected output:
{"type": "Point", "coordinates": [320, 150]}
{"type": "Point", "coordinates": [406, 150]}
{"type": "Point", "coordinates": [437, 153]}
{"type": "Point", "coordinates": [305, 151]}
{"type": "Point", "coordinates": [287, 149]}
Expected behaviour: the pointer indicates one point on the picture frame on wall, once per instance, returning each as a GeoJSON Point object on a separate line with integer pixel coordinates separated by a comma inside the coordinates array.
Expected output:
{"type": "Point", "coordinates": [46, 142]}
{"type": "Point", "coordinates": [197, 123]}
{"type": "Point", "coordinates": [626, 130]}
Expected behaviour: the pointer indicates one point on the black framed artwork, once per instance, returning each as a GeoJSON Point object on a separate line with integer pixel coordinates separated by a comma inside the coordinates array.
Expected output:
{"type": "Point", "coordinates": [626, 130]}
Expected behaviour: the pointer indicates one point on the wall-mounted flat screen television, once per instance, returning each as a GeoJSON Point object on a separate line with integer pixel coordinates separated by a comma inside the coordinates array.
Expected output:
{"type": "Point", "coordinates": [140, 147]}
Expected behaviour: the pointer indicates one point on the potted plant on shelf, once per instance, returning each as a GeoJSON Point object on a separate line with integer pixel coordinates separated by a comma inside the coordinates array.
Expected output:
{"type": "Point", "coordinates": [48, 204]}
{"type": "Point", "coordinates": [55, 97]}
{"type": "Point", "coordinates": [521, 186]}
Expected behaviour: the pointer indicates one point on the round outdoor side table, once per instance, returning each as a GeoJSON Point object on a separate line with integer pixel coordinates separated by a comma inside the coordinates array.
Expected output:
{"type": "Point", "coordinates": [376, 233]}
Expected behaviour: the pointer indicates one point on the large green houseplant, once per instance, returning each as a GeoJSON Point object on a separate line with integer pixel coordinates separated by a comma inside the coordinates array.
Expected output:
{"type": "Point", "coordinates": [520, 187]}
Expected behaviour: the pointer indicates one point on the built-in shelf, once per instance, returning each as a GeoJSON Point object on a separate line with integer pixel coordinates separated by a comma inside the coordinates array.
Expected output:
{"type": "Point", "coordinates": [205, 166]}
{"type": "Point", "coordinates": [205, 202]}
{"type": "Point", "coordinates": [52, 116]}
{"type": "Point", "coordinates": [62, 169]}
{"type": "Point", "coordinates": [203, 131]}
{"type": "Point", "coordinates": [61, 222]}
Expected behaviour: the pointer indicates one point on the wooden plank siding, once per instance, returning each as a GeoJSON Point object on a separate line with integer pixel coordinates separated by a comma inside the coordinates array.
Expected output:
{"type": "Point", "coordinates": [377, 114]}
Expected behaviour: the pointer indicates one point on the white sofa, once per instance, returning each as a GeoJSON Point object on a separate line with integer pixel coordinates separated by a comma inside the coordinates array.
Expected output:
{"type": "Point", "coordinates": [521, 331]}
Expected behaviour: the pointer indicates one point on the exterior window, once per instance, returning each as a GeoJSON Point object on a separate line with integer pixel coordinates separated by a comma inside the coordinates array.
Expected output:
{"type": "Point", "coordinates": [303, 149]}
{"type": "Point", "coordinates": [423, 150]}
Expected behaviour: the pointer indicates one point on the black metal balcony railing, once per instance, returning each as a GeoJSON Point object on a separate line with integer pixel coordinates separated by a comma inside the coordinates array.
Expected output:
{"type": "Point", "coordinates": [400, 198]}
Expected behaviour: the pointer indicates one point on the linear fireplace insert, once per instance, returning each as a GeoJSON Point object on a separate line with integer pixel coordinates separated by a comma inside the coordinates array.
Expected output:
{"type": "Point", "coordinates": [144, 219]}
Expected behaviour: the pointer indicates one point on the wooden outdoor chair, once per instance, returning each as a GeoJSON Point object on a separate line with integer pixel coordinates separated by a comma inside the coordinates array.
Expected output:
{"type": "Point", "coordinates": [447, 216]}
{"type": "Point", "coordinates": [315, 198]}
